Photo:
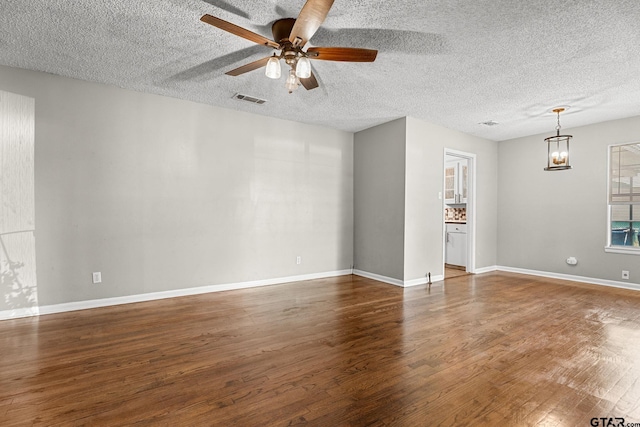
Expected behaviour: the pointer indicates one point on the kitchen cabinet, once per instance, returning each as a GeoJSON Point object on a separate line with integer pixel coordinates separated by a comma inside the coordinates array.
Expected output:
{"type": "Point", "coordinates": [456, 244]}
{"type": "Point", "coordinates": [455, 182]}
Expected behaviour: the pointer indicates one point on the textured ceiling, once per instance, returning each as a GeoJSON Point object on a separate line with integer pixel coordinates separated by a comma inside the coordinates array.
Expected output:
{"type": "Point", "coordinates": [454, 63]}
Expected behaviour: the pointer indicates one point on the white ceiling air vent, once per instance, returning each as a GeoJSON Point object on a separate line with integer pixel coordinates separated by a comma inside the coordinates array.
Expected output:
{"type": "Point", "coordinates": [249, 98]}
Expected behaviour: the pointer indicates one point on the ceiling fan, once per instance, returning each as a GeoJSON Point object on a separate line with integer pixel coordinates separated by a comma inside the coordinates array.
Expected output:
{"type": "Point", "coordinates": [289, 37]}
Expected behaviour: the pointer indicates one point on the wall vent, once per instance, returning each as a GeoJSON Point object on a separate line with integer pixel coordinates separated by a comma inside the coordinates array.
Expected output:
{"type": "Point", "coordinates": [248, 98]}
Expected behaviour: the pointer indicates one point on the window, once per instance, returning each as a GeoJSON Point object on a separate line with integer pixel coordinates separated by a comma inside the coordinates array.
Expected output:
{"type": "Point", "coordinates": [624, 198]}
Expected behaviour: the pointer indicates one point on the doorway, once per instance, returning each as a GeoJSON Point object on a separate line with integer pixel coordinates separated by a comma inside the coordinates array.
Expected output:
{"type": "Point", "coordinates": [459, 207]}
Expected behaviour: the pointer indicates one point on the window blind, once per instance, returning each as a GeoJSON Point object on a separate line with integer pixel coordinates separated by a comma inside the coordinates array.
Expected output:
{"type": "Point", "coordinates": [624, 178]}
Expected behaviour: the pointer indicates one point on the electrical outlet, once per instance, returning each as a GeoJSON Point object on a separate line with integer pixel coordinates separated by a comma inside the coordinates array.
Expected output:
{"type": "Point", "coordinates": [625, 274]}
{"type": "Point", "coordinates": [298, 260]}
{"type": "Point", "coordinates": [97, 277]}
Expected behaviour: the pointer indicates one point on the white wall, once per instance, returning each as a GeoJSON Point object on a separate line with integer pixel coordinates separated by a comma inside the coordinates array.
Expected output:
{"type": "Point", "coordinates": [18, 282]}
{"type": "Point", "coordinates": [161, 194]}
{"type": "Point", "coordinates": [546, 217]}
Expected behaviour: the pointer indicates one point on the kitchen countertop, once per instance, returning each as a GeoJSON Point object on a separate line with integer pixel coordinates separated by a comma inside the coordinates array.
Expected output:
{"type": "Point", "coordinates": [455, 222]}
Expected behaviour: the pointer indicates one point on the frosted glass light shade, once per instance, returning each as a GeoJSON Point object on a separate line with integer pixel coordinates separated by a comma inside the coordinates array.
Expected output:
{"type": "Point", "coordinates": [273, 68]}
{"type": "Point", "coordinates": [303, 68]}
{"type": "Point", "coordinates": [292, 82]}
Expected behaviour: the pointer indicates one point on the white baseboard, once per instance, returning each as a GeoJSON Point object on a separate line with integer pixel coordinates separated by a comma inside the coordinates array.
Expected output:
{"type": "Point", "coordinates": [397, 282]}
{"type": "Point", "coordinates": [105, 302]}
{"type": "Point", "coordinates": [485, 269]}
{"type": "Point", "coordinates": [423, 281]}
{"type": "Point", "coordinates": [379, 278]}
{"type": "Point", "coordinates": [581, 279]}
{"type": "Point", "coordinates": [19, 312]}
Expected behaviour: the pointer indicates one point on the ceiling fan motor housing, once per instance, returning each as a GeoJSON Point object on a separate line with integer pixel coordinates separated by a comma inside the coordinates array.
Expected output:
{"type": "Point", "coordinates": [281, 30]}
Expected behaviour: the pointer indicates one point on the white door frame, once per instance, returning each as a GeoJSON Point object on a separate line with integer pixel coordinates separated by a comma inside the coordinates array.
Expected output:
{"type": "Point", "coordinates": [471, 207]}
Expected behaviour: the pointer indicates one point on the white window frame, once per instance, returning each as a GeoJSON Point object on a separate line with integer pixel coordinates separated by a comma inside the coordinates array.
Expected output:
{"type": "Point", "coordinates": [630, 250]}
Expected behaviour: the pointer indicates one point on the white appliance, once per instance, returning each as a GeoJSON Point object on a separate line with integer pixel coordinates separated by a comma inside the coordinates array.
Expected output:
{"type": "Point", "coordinates": [456, 244]}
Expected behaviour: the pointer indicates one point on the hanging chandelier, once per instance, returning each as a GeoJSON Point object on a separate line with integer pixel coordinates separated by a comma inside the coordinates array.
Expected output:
{"type": "Point", "coordinates": [558, 148]}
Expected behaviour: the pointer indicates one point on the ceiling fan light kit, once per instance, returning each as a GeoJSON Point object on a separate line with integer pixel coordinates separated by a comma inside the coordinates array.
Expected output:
{"type": "Point", "coordinates": [273, 69]}
{"type": "Point", "coordinates": [289, 37]}
{"type": "Point", "coordinates": [292, 82]}
{"type": "Point", "coordinates": [303, 68]}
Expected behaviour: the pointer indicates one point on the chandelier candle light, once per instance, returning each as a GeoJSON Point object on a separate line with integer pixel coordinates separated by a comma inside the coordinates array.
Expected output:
{"type": "Point", "coordinates": [558, 148]}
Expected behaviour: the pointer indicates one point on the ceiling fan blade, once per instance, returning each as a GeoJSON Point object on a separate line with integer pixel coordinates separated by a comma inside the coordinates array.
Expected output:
{"type": "Point", "coordinates": [310, 82]}
{"type": "Point", "coordinates": [311, 16]}
{"type": "Point", "coordinates": [347, 54]}
{"type": "Point", "coordinates": [249, 67]}
{"type": "Point", "coordinates": [238, 31]}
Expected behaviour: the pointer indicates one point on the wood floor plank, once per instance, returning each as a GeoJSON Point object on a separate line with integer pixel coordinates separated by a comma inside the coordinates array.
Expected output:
{"type": "Point", "coordinates": [491, 349]}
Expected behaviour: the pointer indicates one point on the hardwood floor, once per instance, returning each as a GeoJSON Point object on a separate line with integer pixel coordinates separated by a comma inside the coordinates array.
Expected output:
{"type": "Point", "coordinates": [491, 349]}
{"type": "Point", "coordinates": [453, 271]}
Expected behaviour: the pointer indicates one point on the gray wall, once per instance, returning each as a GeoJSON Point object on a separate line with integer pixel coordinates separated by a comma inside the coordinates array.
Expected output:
{"type": "Point", "coordinates": [546, 217]}
{"type": "Point", "coordinates": [398, 173]}
{"type": "Point", "coordinates": [379, 181]}
{"type": "Point", "coordinates": [161, 194]}
{"type": "Point", "coordinates": [426, 143]}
